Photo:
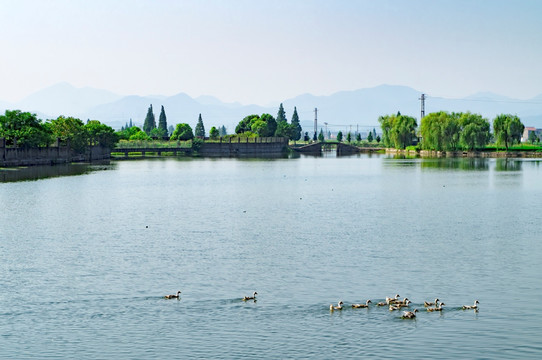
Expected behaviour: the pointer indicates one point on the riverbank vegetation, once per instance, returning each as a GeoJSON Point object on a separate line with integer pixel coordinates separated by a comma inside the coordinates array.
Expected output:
{"type": "Point", "coordinates": [24, 129]}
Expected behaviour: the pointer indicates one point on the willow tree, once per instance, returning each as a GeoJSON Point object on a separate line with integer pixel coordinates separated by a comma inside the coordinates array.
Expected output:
{"type": "Point", "coordinates": [474, 131]}
{"type": "Point", "coordinates": [508, 129]}
{"type": "Point", "coordinates": [440, 131]}
{"type": "Point", "coordinates": [398, 131]}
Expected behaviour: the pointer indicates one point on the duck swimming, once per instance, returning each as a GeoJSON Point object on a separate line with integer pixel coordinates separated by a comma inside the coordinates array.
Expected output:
{"type": "Point", "coordinates": [392, 308]}
{"type": "Point", "coordinates": [409, 314]}
{"type": "Point", "coordinates": [253, 297]}
{"type": "Point", "coordinates": [338, 307]}
{"type": "Point", "coordinates": [366, 305]}
{"type": "Point", "coordinates": [427, 303]}
{"type": "Point", "coordinates": [176, 296]}
{"type": "Point", "coordinates": [392, 300]}
{"type": "Point", "coordinates": [475, 306]}
{"type": "Point", "coordinates": [436, 308]}
{"type": "Point", "coordinates": [405, 304]}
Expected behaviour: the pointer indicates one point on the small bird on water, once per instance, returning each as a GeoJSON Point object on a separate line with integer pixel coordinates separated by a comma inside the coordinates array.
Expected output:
{"type": "Point", "coordinates": [176, 296]}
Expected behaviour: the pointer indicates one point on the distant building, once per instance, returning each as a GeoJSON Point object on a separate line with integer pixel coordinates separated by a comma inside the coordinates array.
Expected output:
{"type": "Point", "coordinates": [528, 130]}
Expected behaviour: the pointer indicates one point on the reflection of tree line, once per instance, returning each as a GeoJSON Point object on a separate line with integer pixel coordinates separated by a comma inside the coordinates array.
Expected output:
{"type": "Point", "coordinates": [501, 164]}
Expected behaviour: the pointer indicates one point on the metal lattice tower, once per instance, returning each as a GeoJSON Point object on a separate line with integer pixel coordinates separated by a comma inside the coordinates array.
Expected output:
{"type": "Point", "coordinates": [316, 121]}
{"type": "Point", "coordinates": [422, 114]}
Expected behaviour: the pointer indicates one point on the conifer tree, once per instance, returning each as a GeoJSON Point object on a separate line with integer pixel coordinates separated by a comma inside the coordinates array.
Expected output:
{"type": "Point", "coordinates": [222, 131]}
{"type": "Point", "coordinates": [370, 136]}
{"type": "Point", "coordinates": [150, 122]}
{"type": "Point", "coordinates": [200, 129]}
{"type": "Point", "coordinates": [130, 123]}
{"type": "Point", "coordinates": [295, 133]}
{"type": "Point", "coordinates": [281, 115]}
{"type": "Point", "coordinates": [162, 122]}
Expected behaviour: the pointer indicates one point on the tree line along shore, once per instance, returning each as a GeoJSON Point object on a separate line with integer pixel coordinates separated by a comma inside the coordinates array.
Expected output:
{"type": "Point", "coordinates": [438, 131]}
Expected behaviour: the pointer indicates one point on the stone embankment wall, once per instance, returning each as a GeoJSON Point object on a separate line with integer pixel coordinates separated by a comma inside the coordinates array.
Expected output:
{"type": "Point", "coordinates": [474, 154]}
{"type": "Point", "coordinates": [15, 156]}
{"type": "Point", "coordinates": [271, 146]}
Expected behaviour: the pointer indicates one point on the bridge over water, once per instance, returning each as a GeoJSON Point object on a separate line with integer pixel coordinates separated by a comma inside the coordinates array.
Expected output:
{"type": "Point", "coordinates": [342, 148]}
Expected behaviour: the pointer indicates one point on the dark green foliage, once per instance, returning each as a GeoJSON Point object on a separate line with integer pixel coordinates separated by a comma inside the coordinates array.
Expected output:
{"type": "Point", "coordinates": [532, 137]}
{"type": "Point", "coordinates": [182, 132]}
{"type": "Point", "coordinates": [214, 133]}
{"type": "Point", "coordinates": [150, 122]}
{"type": "Point", "coordinates": [200, 129]}
{"type": "Point", "coordinates": [70, 131]}
{"type": "Point", "coordinates": [281, 115]}
{"type": "Point", "coordinates": [508, 129]}
{"type": "Point", "coordinates": [349, 137]}
{"type": "Point", "coordinates": [246, 124]}
{"type": "Point", "coordinates": [358, 137]}
{"type": "Point", "coordinates": [378, 139]}
{"type": "Point", "coordinates": [264, 125]}
{"type": "Point", "coordinates": [340, 136]}
{"type": "Point", "coordinates": [321, 136]}
{"type": "Point", "coordinates": [101, 134]}
{"type": "Point", "coordinates": [197, 143]}
{"type": "Point", "coordinates": [24, 129]}
{"type": "Point", "coordinates": [162, 122]}
{"type": "Point", "coordinates": [369, 137]}
{"type": "Point", "coordinates": [283, 129]}
{"type": "Point", "coordinates": [306, 136]}
{"type": "Point", "coordinates": [295, 131]}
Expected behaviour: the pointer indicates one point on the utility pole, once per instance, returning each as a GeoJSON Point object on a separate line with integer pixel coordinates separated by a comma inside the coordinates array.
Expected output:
{"type": "Point", "coordinates": [315, 122]}
{"type": "Point", "coordinates": [422, 98]}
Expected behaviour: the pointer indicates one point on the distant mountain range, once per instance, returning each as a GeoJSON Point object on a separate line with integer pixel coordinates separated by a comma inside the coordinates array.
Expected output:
{"type": "Point", "coordinates": [341, 111]}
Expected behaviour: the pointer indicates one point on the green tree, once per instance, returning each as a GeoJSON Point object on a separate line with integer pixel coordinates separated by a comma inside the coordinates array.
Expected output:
{"type": "Point", "coordinates": [24, 129]}
{"type": "Point", "coordinates": [139, 135]}
{"type": "Point", "coordinates": [214, 133]}
{"type": "Point", "coordinates": [283, 129]}
{"type": "Point", "coordinates": [183, 132]}
{"type": "Point", "coordinates": [158, 133]}
{"type": "Point", "coordinates": [200, 129]}
{"type": "Point", "coordinates": [398, 130]}
{"type": "Point", "coordinates": [532, 137]}
{"type": "Point", "coordinates": [101, 134]}
{"type": "Point", "coordinates": [474, 131]}
{"type": "Point", "coordinates": [340, 136]}
{"type": "Point", "coordinates": [259, 127]}
{"type": "Point", "coordinates": [70, 131]}
{"type": "Point", "coordinates": [349, 137]}
{"type": "Point", "coordinates": [508, 129]}
{"type": "Point", "coordinates": [281, 115]}
{"type": "Point", "coordinates": [162, 122]}
{"type": "Point", "coordinates": [222, 131]}
{"type": "Point", "coordinates": [321, 136]}
{"type": "Point", "coordinates": [295, 133]}
{"type": "Point", "coordinates": [271, 124]}
{"type": "Point", "coordinates": [150, 122]}
{"type": "Point", "coordinates": [246, 124]}
{"type": "Point", "coordinates": [369, 137]}
{"type": "Point", "coordinates": [358, 137]}
{"type": "Point", "coordinates": [378, 139]}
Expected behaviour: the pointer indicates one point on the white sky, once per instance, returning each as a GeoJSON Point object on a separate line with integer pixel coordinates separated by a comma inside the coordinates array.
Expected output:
{"type": "Point", "coordinates": [265, 51]}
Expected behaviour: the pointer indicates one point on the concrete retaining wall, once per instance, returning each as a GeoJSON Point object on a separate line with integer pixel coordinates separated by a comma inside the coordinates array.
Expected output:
{"type": "Point", "coordinates": [245, 147]}
{"type": "Point", "coordinates": [15, 156]}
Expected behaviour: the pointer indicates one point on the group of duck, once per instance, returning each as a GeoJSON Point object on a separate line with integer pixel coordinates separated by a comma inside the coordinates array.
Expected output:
{"type": "Point", "coordinates": [395, 303]}
{"type": "Point", "coordinates": [177, 295]}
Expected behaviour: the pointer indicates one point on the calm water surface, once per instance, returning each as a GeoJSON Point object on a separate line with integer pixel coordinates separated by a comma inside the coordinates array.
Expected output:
{"type": "Point", "coordinates": [86, 259]}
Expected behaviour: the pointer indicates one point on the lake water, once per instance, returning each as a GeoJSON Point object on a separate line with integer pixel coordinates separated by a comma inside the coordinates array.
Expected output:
{"type": "Point", "coordinates": [85, 260]}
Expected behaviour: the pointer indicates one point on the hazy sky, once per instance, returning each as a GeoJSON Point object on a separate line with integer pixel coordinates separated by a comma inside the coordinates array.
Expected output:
{"type": "Point", "coordinates": [264, 51]}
